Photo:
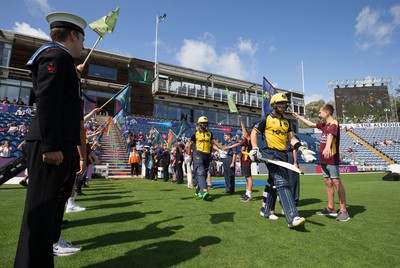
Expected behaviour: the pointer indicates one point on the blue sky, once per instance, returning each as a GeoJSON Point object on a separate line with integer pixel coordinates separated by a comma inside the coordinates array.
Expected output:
{"type": "Point", "coordinates": [335, 40]}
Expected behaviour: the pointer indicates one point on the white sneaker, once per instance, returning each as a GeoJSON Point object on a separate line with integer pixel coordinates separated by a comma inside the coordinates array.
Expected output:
{"type": "Point", "coordinates": [64, 248]}
{"type": "Point", "coordinates": [74, 208]}
{"type": "Point", "coordinates": [273, 217]}
{"type": "Point", "coordinates": [297, 221]}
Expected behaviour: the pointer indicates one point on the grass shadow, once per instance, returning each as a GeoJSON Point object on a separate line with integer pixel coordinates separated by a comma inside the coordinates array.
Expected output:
{"type": "Point", "coordinates": [108, 193]}
{"type": "Point", "coordinates": [114, 205]}
{"type": "Point", "coordinates": [222, 217]}
{"type": "Point", "coordinates": [354, 210]}
{"type": "Point", "coordinates": [112, 218]}
{"type": "Point", "coordinates": [308, 201]}
{"type": "Point", "coordinates": [101, 198]}
{"type": "Point", "coordinates": [151, 231]}
{"type": "Point", "coordinates": [141, 257]}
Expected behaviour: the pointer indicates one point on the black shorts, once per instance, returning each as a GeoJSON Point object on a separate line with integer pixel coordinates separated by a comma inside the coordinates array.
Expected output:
{"type": "Point", "coordinates": [246, 171]}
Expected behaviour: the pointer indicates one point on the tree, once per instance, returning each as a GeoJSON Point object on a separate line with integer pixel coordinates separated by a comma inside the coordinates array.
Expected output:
{"type": "Point", "coordinates": [312, 110]}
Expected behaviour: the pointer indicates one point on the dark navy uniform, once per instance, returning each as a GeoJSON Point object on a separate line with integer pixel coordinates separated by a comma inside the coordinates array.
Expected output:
{"type": "Point", "coordinates": [229, 172]}
{"type": "Point", "coordinates": [56, 127]}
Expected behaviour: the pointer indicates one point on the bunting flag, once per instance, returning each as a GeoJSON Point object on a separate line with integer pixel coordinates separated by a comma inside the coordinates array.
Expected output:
{"type": "Point", "coordinates": [171, 139]}
{"type": "Point", "coordinates": [183, 127]}
{"type": "Point", "coordinates": [120, 120]}
{"type": "Point", "coordinates": [105, 24]}
{"type": "Point", "coordinates": [267, 91]}
{"type": "Point", "coordinates": [123, 99]}
{"type": "Point", "coordinates": [231, 102]}
{"type": "Point", "coordinates": [106, 126]}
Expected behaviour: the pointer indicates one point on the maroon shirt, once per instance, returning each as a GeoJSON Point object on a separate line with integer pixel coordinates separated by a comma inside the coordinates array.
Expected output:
{"type": "Point", "coordinates": [246, 147]}
{"type": "Point", "coordinates": [329, 128]}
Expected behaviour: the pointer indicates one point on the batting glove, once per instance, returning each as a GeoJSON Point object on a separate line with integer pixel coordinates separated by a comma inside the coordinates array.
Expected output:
{"type": "Point", "coordinates": [255, 155]}
{"type": "Point", "coordinates": [307, 155]}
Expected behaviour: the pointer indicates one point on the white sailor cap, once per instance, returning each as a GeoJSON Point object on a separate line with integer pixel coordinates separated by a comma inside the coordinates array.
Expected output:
{"type": "Point", "coordinates": [66, 20]}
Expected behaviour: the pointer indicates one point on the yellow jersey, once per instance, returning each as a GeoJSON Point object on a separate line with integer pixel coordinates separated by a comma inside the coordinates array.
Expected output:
{"type": "Point", "coordinates": [202, 141]}
{"type": "Point", "coordinates": [275, 129]}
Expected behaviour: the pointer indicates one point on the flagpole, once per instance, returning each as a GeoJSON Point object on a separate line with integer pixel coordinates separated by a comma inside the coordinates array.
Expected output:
{"type": "Point", "coordinates": [155, 86]}
{"type": "Point", "coordinates": [302, 75]}
{"type": "Point", "coordinates": [90, 53]}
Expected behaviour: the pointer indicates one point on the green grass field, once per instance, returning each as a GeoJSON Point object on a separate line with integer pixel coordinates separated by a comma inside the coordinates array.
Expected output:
{"type": "Point", "coordinates": [143, 223]}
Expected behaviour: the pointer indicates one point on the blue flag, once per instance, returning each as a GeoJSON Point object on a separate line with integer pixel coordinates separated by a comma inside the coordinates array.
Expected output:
{"type": "Point", "coordinates": [267, 91]}
{"type": "Point", "coordinates": [123, 99]}
{"type": "Point", "coordinates": [183, 127]}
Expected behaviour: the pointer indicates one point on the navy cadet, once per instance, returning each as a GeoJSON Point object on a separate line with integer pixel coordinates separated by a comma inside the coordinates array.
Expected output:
{"type": "Point", "coordinates": [228, 161]}
{"type": "Point", "coordinates": [54, 134]}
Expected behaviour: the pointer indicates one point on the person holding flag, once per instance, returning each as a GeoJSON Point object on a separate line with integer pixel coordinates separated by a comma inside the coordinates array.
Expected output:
{"type": "Point", "coordinates": [55, 132]}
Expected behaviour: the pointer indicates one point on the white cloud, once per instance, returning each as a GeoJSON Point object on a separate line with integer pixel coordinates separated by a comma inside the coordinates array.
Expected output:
{"type": "Point", "coordinates": [247, 46]}
{"type": "Point", "coordinates": [271, 49]}
{"type": "Point", "coordinates": [196, 55]}
{"type": "Point", "coordinates": [395, 12]}
{"type": "Point", "coordinates": [230, 65]}
{"type": "Point", "coordinates": [313, 97]}
{"type": "Point", "coordinates": [25, 28]}
{"type": "Point", "coordinates": [38, 7]}
{"type": "Point", "coordinates": [201, 55]}
{"type": "Point", "coordinates": [372, 30]}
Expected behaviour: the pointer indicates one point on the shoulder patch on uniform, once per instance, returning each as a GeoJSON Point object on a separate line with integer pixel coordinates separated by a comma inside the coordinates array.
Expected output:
{"type": "Point", "coordinates": [51, 68]}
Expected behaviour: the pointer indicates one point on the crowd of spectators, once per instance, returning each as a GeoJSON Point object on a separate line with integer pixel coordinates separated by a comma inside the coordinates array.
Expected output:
{"type": "Point", "coordinates": [14, 102]}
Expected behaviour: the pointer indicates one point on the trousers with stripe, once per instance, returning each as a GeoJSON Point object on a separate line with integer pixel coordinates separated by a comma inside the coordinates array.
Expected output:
{"type": "Point", "coordinates": [280, 180]}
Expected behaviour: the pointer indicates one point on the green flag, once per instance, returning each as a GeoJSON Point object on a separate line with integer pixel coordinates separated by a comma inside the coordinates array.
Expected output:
{"type": "Point", "coordinates": [106, 23]}
{"type": "Point", "coordinates": [231, 102]}
{"type": "Point", "coordinates": [161, 18]}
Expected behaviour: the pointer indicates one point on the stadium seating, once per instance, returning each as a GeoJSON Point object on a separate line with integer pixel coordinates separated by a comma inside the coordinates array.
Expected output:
{"type": "Point", "coordinates": [14, 139]}
{"type": "Point", "coordinates": [377, 135]}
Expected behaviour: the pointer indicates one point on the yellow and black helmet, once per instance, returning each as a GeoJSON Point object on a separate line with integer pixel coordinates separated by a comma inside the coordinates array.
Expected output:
{"type": "Point", "coordinates": [279, 97]}
{"type": "Point", "coordinates": [202, 119]}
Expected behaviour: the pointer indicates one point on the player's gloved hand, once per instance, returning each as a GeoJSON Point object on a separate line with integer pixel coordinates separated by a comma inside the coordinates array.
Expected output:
{"type": "Point", "coordinates": [307, 155]}
{"type": "Point", "coordinates": [222, 153]}
{"type": "Point", "coordinates": [255, 155]}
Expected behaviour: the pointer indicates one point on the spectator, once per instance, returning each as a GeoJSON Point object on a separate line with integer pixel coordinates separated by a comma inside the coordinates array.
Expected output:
{"type": "Point", "coordinates": [20, 111]}
{"type": "Point", "coordinates": [5, 149]}
{"type": "Point", "coordinates": [165, 160]}
{"type": "Point", "coordinates": [28, 111]}
{"type": "Point", "coordinates": [134, 161]}
{"type": "Point", "coordinates": [141, 136]}
{"type": "Point", "coordinates": [5, 101]}
{"type": "Point", "coordinates": [20, 102]}
{"type": "Point", "coordinates": [151, 135]}
{"type": "Point", "coordinates": [13, 128]}
{"type": "Point", "coordinates": [23, 129]}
